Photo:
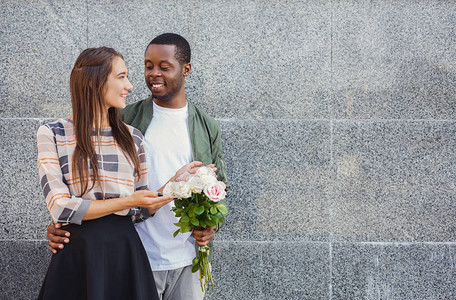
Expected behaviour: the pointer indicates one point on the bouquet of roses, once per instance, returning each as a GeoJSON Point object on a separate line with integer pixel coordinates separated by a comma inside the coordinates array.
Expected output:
{"type": "Point", "coordinates": [198, 206]}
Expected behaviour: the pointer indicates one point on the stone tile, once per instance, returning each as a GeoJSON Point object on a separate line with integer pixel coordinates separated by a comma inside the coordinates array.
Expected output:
{"type": "Point", "coordinates": [23, 265]}
{"type": "Point", "coordinates": [41, 40]}
{"type": "Point", "coordinates": [393, 271]}
{"type": "Point", "coordinates": [44, 28]}
{"type": "Point", "coordinates": [22, 205]}
{"type": "Point", "coordinates": [280, 174]}
{"type": "Point", "coordinates": [295, 271]}
{"type": "Point", "coordinates": [265, 59]}
{"type": "Point", "coordinates": [394, 60]}
{"type": "Point", "coordinates": [395, 181]}
{"type": "Point", "coordinates": [129, 26]}
{"type": "Point", "coordinates": [43, 91]}
{"type": "Point", "coordinates": [236, 270]}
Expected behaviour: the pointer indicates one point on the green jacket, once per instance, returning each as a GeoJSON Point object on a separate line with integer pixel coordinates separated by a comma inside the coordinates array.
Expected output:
{"type": "Point", "coordinates": [203, 129]}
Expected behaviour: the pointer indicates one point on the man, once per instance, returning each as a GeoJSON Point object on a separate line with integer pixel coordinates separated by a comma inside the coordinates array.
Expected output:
{"type": "Point", "coordinates": [176, 133]}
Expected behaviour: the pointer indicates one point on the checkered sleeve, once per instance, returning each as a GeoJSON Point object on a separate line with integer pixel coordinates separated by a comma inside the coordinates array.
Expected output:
{"type": "Point", "coordinates": [141, 179]}
{"type": "Point", "coordinates": [64, 207]}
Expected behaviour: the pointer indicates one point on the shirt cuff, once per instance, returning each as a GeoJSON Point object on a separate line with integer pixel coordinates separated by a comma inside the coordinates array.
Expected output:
{"type": "Point", "coordinates": [80, 213]}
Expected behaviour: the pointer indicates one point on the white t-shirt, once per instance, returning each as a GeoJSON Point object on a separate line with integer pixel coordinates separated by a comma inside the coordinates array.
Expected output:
{"type": "Point", "coordinates": [168, 148]}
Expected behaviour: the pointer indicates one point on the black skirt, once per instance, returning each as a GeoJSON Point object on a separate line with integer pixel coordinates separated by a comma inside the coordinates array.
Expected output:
{"type": "Point", "coordinates": [105, 259]}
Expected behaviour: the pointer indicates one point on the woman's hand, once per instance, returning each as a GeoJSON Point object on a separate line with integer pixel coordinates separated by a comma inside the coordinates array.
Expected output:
{"type": "Point", "coordinates": [144, 198]}
{"type": "Point", "coordinates": [150, 200]}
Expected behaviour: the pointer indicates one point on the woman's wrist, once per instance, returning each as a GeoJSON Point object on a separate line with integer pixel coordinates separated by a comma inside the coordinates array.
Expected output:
{"type": "Point", "coordinates": [173, 178]}
{"type": "Point", "coordinates": [130, 201]}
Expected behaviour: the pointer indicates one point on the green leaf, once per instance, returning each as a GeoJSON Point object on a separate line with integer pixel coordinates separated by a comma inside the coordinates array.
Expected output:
{"type": "Point", "coordinates": [185, 228]}
{"type": "Point", "coordinates": [191, 213]}
{"type": "Point", "coordinates": [195, 268]}
{"type": "Point", "coordinates": [195, 221]}
{"type": "Point", "coordinates": [176, 232]}
{"type": "Point", "coordinates": [195, 261]}
{"type": "Point", "coordinates": [216, 218]}
{"type": "Point", "coordinates": [199, 210]}
{"type": "Point", "coordinates": [222, 208]}
{"type": "Point", "coordinates": [210, 223]}
{"type": "Point", "coordinates": [213, 210]}
{"type": "Point", "coordinates": [203, 223]}
{"type": "Point", "coordinates": [184, 219]}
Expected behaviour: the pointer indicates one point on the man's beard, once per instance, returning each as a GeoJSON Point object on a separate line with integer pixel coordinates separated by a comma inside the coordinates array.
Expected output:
{"type": "Point", "coordinates": [166, 97]}
{"type": "Point", "coordinates": [170, 95]}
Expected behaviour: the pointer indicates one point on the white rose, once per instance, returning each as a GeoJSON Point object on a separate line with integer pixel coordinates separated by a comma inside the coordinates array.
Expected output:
{"type": "Point", "coordinates": [207, 175]}
{"type": "Point", "coordinates": [215, 191]}
{"type": "Point", "coordinates": [169, 189]}
{"type": "Point", "coordinates": [196, 184]}
{"type": "Point", "coordinates": [205, 171]}
{"type": "Point", "coordinates": [208, 179]}
{"type": "Point", "coordinates": [182, 190]}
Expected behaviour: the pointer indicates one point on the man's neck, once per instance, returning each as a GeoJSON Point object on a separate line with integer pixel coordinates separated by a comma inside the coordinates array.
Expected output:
{"type": "Point", "coordinates": [178, 101]}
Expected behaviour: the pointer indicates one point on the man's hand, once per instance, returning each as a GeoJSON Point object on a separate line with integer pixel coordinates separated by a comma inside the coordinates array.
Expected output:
{"type": "Point", "coordinates": [203, 237]}
{"type": "Point", "coordinates": [57, 237]}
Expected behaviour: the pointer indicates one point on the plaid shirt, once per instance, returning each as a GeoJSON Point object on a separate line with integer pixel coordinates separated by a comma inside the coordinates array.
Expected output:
{"type": "Point", "coordinates": [56, 144]}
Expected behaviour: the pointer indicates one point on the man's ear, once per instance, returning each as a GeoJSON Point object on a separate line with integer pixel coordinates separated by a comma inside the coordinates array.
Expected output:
{"type": "Point", "coordinates": [186, 68]}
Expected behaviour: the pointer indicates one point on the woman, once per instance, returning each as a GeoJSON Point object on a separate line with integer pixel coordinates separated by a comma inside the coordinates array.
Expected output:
{"type": "Point", "coordinates": [93, 173]}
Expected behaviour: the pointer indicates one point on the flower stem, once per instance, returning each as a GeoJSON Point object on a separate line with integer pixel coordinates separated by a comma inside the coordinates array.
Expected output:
{"type": "Point", "coordinates": [204, 268]}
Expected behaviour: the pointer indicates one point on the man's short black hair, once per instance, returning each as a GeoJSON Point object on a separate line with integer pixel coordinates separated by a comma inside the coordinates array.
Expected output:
{"type": "Point", "coordinates": [183, 53]}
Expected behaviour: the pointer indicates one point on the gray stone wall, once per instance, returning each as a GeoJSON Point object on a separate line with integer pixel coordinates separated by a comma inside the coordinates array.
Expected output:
{"type": "Point", "coordinates": [339, 129]}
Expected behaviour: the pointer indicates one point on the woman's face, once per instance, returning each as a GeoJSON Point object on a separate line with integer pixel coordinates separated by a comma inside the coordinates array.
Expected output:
{"type": "Point", "coordinates": [117, 86]}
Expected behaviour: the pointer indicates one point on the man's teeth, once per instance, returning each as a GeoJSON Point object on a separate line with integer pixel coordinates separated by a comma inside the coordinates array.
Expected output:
{"type": "Point", "coordinates": [157, 85]}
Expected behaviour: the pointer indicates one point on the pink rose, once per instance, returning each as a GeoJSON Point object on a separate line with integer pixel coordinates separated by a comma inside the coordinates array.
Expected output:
{"type": "Point", "coordinates": [215, 191]}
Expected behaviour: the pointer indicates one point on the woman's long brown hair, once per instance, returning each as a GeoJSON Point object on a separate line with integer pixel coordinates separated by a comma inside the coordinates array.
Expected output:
{"type": "Point", "coordinates": [87, 82]}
